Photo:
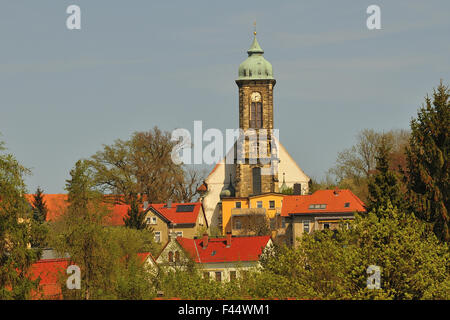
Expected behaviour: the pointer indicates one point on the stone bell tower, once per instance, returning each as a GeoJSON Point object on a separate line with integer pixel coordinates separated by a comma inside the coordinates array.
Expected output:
{"type": "Point", "coordinates": [256, 82]}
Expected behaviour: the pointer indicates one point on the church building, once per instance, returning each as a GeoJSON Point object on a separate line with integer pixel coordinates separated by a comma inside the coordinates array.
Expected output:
{"type": "Point", "coordinates": [246, 175]}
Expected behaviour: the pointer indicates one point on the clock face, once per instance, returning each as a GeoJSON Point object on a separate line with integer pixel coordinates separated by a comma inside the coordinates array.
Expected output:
{"type": "Point", "coordinates": [256, 97]}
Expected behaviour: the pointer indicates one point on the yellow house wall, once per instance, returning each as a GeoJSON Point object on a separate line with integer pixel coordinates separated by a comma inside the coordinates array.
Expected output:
{"type": "Point", "coordinates": [266, 203]}
{"type": "Point", "coordinates": [227, 206]}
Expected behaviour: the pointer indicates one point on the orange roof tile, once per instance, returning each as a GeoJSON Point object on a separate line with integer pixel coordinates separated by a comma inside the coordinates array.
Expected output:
{"type": "Point", "coordinates": [241, 249]}
{"type": "Point", "coordinates": [48, 271]}
{"type": "Point", "coordinates": [335, 201]}
{"type": "Point", "coordinates": [56, 204]}
{"type": "Point", "coordinates": [173, 216]}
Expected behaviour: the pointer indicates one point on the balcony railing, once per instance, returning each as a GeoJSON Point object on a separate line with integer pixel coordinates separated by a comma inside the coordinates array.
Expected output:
{"type": "Point", "coordinates": [247, 211]}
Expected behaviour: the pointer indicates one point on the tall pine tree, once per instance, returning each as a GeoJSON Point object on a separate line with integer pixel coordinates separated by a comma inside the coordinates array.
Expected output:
{"type": "Point", "coordinates": [428, 164]}
{"type": "Point", "coordinates": [39, 206]}
{"type": "Point", "coordinates": [135, 216]}
{"type": "Point", "coordinates": [383, 185]}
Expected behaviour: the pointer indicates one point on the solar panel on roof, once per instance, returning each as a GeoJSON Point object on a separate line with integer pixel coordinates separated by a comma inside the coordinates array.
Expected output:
{"type": "Point", "coordinates": [185, 208]}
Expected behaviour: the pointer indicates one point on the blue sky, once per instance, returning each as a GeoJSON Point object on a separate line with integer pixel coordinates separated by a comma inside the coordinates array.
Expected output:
{"type": "Point", "coordinates": [137, 64]}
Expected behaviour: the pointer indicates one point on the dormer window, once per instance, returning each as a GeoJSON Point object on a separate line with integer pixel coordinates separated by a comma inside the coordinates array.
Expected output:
{"type": "Point", "coordinates": [317, 206]}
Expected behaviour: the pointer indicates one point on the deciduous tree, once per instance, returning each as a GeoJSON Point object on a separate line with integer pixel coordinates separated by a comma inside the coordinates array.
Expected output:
{"type": "Point", "coordinates": [16, 231]}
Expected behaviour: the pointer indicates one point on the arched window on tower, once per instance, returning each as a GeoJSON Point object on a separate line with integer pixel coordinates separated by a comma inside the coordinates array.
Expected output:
{"type": "Point", "coordinates": [256, 179]}
{"type": "Point", "coordinates": [170, 256]}
{"type": "Point", "coordinates": [256, 111]}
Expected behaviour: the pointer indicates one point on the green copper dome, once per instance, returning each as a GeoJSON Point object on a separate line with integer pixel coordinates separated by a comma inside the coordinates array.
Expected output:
{"type": "Point", "coordinates": [255, 66]}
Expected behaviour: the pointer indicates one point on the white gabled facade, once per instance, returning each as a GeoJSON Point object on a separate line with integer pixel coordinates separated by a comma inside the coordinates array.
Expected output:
{"type": "Point", "coordinates": [220, 177]}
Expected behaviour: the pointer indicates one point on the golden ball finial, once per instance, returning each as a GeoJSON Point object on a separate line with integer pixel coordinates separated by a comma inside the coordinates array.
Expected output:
{"type": "Point", "coordinates": [254, 32]}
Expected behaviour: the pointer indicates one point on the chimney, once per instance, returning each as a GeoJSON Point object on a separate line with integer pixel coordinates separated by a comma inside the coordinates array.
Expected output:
{"type": "Point", "coordinates": [336, 191]}
{"type": "Point", "coordinates": [205, 240]}
{"type": "Point", "coordinates": [145, 205]}
{"type": "Point", "coordinates": [228, 239]}
{"type": "Point", "coordinates": [297, 189]}
{"type": "Point", "coordinates": [169, 204]}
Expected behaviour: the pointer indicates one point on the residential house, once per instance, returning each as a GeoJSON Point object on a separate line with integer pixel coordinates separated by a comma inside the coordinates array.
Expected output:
{"type": "Point", "coordinates": [240, 214]}
{"type": "Point", "coordinates": [324, 209]}
{"type": "Point", "coordinates": [222, 259]}
{"type": "Point", "coordinates": [185, 219]}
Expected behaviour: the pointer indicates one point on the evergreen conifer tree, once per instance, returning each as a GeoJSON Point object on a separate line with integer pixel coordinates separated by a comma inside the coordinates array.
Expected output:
{"type": "Point", "coordinates": [39, 206]}
{"type": "Point", "coordinates": [428, 164]}
{"type": "Point", "coordinates": [383, 185]}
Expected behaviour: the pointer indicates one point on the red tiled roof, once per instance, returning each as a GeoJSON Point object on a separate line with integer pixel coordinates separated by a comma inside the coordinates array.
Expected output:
{"type": "Point", "coordinates": [118, 213]}
{"type": "Point", "coordinates": [56, 204]}
{"type": "Point", "coordinates": [202, 187]}
{"type": "Point", "coordinates": [48, 271]}
{"type": "Point", "coordinates": [241, 249]}
{"type": "Point", "coordinates": [145, 255]}
{"type": "Point", "coordinates": [173, 216]}
{"type": "Point", "coordinates": [334, 199]}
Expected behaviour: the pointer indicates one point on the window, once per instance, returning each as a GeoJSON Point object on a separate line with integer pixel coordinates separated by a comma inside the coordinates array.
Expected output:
{"type": "Point", "coordinates": [238, 204]}
{"type": "Point", "coordinates": [170, 256]}
{"type": "Point", "coordinates": [151, 220]}
{"type": "Point", "coordinates": [205, 275]}
{"type": "Point", "coordinates": [179, 233]}
{"type": "Point", "coordinates": [232, 275]}
{"type": "Point", "coordinates": [259, 204]}
{"type": "Point", "coordinates": [237, 224]}
{"type": "Point", "coordinates": [256, 175]}
{"type": "Point", "coordinates": [317, 206]}
{"type": "Point", "coordinates": [326, 226]}
{"type": "Point", "coordinates": [177, 256]}
{"type": "Point", "coordinates": [158, 236]}
{"type": "Point", "coordinates": [218, 276]}
{"type": "Point", "coordinates": [347, 204]}
{"type": "Point", "coordinates": [185, 208]}
{"type": "Point", "coordinates": [256, 111]}
{"type": "Point", "coordinates": [306, 226]}
{"type": "Point", "coordinates": [272, 204]}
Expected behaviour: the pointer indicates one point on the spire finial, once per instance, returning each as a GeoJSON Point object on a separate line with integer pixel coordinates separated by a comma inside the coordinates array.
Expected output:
{"type": "Point", "coordinates": [254, 27]}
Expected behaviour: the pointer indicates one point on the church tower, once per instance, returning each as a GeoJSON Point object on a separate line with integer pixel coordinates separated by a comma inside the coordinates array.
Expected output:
{"type": "Point", "coordinates": [256, 83]}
